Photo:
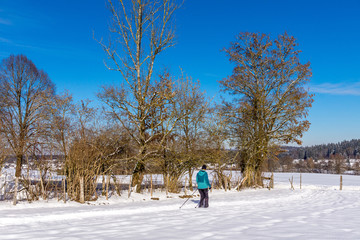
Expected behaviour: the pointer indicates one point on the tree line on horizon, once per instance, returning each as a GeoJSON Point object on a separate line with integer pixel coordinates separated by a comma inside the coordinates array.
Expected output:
{"type": "Point", "coordinates": [152, 121]}
{"type": "Point", "coordinates": [334, 158]}
{"type": "Point", "coordinates": [347, 149]}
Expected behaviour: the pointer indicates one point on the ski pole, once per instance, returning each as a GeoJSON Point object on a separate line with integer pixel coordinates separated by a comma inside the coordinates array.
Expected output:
{"type": "Point", "coordinates": [188, 199]}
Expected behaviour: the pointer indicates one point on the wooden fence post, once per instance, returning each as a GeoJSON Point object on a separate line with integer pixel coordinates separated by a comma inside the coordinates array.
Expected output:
{"type": "Point", "coordinates": [291, 183]}
{"type": "Point", "coordinates": [341, 182]}
{"type": "Point", "coordinates": [272, 180]}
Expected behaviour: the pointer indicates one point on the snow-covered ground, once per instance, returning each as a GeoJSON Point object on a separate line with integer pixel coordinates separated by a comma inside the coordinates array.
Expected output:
{"type": "Point", "coordinates": [317, 211]}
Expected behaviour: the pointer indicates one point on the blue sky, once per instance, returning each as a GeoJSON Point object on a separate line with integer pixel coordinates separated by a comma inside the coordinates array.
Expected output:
{"type": "Point", "coordinates": [58, 37]}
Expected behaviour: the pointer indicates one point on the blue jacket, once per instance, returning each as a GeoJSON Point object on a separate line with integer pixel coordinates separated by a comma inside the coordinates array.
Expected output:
{"type": "Point", "coordinates": [202, 180]}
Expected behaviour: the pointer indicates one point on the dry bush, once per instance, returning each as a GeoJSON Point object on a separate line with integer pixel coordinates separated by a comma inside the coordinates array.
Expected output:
{"type": "Point", "coordinates": [221, 179]}
{"type": "Point", "coordinates": [89, 159]}
{"type": "Point", "coordinates": [83, 167]}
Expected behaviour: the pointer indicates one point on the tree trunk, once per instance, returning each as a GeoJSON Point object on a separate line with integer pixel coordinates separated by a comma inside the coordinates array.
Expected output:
{"type": "Point", "coordinates": [129, 192]}
{"type": "Point", "coordinates": [15, 190]}
{"type": "Point", "coordinates": [64, 180]}
{"type": "Point", "coordinates": [252, 177]}
{"type": "Point", "coordinates": [167, 183]}
{"type": "Point", "coordinates": [42, 185]}
{"type": "Point", "coordinates": [138, 176]}
{"type": "Point", "coordinates": [107, 187]}
{"type": "Point", "coordinates": [173, 183]}
{"type": "Point", "coordinates": [103, 185]}
{"type": "Point", "coordinates": [190, 179]}
{"type": "Point", "coordinates": [82, 194]}
{"type": "Point", "coordinates": [17, 176]}
{"type": "Point", "coordinates": [151, 185]}
{"type": "Point", "coordinates": [117, 186]}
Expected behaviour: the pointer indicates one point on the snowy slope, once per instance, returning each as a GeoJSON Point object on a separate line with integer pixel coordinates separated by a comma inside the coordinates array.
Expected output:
{"type": "Point", "coordinates": [317, 211]}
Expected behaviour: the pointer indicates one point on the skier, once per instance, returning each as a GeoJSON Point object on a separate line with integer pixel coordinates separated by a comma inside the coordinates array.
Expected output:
{"type": "Point", "coordinates": [202, 181]}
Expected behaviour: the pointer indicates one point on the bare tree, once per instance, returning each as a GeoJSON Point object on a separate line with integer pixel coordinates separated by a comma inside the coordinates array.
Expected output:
{"type": "Point", "coordinates": [271, 102]}
{"type": "Point", "coordinates": [94, 150]}
{"type": "Point", "coordinates": [193, 107]}
{"type": "Point", "coordinates": [62, 126]}
{"type": "Point", "coordinates": [143, 29]}
{"type": "Point", "coordinates": [339, 162]}
{"type": "Point", "coordinates": [62, 114]}
{"type": "Point", "coordinates": [215, 144]}
{"type": "Point", "coordinates": [177, 147]}
{"type": "Point", "coordinates": [23, 90]}
{"type": "Point", "coordinates": [4, 152]}
{"type": "Point", "coordinates": [81, 165]}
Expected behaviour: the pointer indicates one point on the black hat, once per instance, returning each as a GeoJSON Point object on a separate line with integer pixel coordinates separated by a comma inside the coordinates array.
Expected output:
{"type": "Point", "coordinates": [203, 167]}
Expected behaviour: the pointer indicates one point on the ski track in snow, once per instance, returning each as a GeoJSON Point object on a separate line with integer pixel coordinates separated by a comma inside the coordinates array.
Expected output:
{"type": "Point", "coordinates": [314, 212]}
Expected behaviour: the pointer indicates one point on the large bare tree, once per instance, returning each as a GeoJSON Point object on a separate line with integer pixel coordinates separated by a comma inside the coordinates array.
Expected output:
{"type": "Point", "coordinates": [271, 101]}
{"type": "Point", "coordinates": [140, 31]}
{"type": "Point", "coordinates": [23, 93]}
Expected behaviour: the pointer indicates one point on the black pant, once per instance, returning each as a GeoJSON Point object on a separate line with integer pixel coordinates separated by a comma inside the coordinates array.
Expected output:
{"type": "Point", "coordinates": [204, 197]}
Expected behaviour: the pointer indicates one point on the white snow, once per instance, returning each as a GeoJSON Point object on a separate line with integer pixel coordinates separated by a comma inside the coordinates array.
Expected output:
{"type": "Point", "coordinates": [317, 211]}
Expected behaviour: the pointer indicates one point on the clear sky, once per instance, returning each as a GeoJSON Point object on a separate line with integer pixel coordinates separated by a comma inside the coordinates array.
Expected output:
{"type": "Point", "coordinates": [58, 37]}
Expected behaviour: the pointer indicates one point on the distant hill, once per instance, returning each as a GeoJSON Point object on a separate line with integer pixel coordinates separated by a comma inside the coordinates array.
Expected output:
{"type": "Point", "coordinates": [346, 149]}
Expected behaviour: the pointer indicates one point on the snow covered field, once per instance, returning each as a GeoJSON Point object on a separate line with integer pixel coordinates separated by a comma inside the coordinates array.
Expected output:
{"type": "Point", "coordinates": [318, 211]}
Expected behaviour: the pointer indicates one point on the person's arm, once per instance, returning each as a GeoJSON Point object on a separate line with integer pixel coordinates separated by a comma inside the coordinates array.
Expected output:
{"type": "Point", "coordinates": [207, 180]}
